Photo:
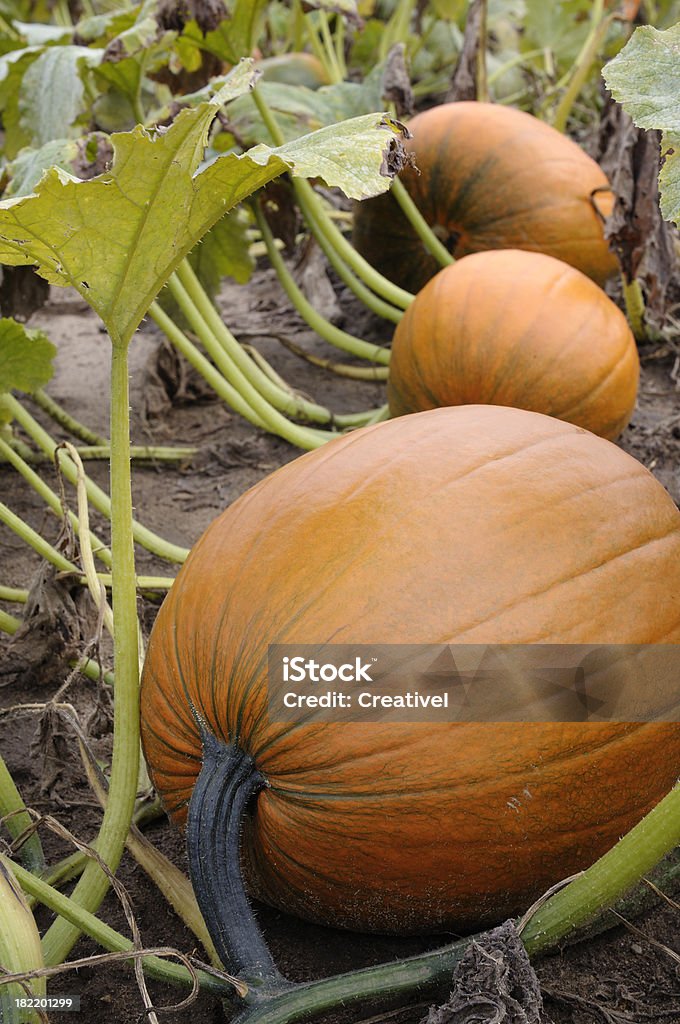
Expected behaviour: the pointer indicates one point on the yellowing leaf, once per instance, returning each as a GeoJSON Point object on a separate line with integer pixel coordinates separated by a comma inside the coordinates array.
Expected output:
{"type": "Point", "coordinates": [117, 237]}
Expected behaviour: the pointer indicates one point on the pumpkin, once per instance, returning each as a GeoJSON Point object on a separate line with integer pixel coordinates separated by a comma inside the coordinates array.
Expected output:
{"type": "Point", "coordinates": [490, 177]}
{"type": "Point", "coordinates": [471, 524]}
{"type": "Point", "coordinates": [516, 328]}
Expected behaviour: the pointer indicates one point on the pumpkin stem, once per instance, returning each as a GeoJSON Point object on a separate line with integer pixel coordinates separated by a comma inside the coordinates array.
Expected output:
{"type": "Point", "coordinates": [227, 781]}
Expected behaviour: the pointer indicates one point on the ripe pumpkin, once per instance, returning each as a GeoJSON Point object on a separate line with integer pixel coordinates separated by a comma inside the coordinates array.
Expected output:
{"type": "Point", "coordinates": [516, 328]}
{"type": "Point", "coordinates": [490, 177]}
{"type": "Point", "coordinates": [474, 524]}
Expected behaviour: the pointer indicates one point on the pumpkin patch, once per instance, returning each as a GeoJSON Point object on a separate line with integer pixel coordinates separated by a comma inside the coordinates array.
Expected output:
{"type": "Point", "coordinates": [490, 177]}
{"type": "Point", "coordinates": [473, 524]}
{"type": "Point", "coordinates": [516, 328]}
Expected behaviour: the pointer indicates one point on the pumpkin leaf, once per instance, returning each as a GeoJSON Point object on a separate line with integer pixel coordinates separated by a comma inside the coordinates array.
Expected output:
{"type": "Point", "coordinates": [99, 28]}
{"type": "Point", "coordinates": [645, 78]}
{"type": "Point", "coordinates": [236, 35]}
{"type": "Point", "coordinates": [38, 34]}
{"type": "Point", "coordinates": [25, 357]}
{"type": "Point", "coordinates": [300, 110]}
{"type": "Point", "coordinates": [52, 96]}
{"type": "Point", "coordinates": [13, 67]}
{"type": "Point", "coordinates": [117, 238]}
{"type": "Point", "coordinates": [559, 27]}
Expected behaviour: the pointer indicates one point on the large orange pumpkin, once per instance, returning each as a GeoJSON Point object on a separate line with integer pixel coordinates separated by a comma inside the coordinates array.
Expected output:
{"type": "Point", "coordinates": [472, 524]}
{"type": "Point", "coordinates": [516, 328]}
{"type": "Point", "coordinates": [490, 177]}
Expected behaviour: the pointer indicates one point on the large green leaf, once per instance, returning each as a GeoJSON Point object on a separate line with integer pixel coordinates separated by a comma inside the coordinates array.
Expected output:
{"type": "Point", "coordinates": [25, 357]}
{"type": "Point", "coordinates": [645, 79]}
{"type": "Point", "coordinates": [117, 238]}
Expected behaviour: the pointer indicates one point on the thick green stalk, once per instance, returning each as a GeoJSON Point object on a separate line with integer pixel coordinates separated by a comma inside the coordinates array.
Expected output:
{"type": "Point", "coordinates": [609, 878]}
{"type": "Point", "coordinates": [19, 820]}
{"type": "Point", "coordinates": [424, 976]}
{"type": "Point", "coordinates": [222, 388]}
{"type": "Point", "coordinates": [8, 623]}
{"type": "Point", "coordinates": [97, 497]}
{"type": "Point", "coordinates": [371, 277]}
{"type": "Point", "coordinates": [83, 921]}
{"type": "Point", "coordinates": [425, 233]}
{"type": "Point", "coordinates": [50, 498]}
{"type": "Point", "coordinates": [346, 275]}
{"type": "Point", "coordinates": [34, 540]}
{"type": "Point", "coordinates": [333, 335]}
{"type": "Point", "coordinates": [94, 883]}
{"type": "Point", "coordinates": [282, 399]}
{"type": "Point", "coordinates": [273, 420]}
{"type": "Point", "coordinates": [304, 191]}
{"type": "Point", "coordinates": [17, 595]}
{"type": "Point", "coordinates": [65, 420]}
{"type": "Point", "coordinates": [138, 452]}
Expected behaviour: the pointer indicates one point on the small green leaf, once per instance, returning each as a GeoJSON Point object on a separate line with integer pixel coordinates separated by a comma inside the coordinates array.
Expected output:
{"type": "Point", "coordinates": [117, 238]}
{"type": "Point", "coordinates": [645, 78]}
{"type": "Point", "coordinates": [25, 357]}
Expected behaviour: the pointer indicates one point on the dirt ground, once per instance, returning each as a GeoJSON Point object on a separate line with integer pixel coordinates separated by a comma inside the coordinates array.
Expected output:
{"type": "Point", "coordinates": [619, 977]}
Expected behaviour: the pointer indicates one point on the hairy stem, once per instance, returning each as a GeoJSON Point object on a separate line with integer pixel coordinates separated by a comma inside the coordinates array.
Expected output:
{"type": "Point", "coordinates": [609, 878]}
{"type": "Point", "coordinates": [94, 883]}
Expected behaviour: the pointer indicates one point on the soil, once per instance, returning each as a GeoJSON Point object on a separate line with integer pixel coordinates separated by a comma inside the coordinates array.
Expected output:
{"type": "Point", "coordinates": [621, 976]}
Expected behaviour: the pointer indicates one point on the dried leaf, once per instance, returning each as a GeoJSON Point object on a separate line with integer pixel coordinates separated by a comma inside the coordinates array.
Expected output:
{"type": "Point", "coordinates": [641, 238]}
{"type": "Point", "coordinates": [494, 983]}
{"type": "Point", "coordinates": [396, 83]}
{"type": "Point", "coordinates": [464, 79]}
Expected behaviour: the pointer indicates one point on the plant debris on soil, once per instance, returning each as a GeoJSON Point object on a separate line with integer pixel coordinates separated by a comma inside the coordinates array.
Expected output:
{"type": "Point", "coordinates": [620, 976]}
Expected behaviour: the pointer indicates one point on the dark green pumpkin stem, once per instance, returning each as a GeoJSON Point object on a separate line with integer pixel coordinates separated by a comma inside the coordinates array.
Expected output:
{"type": "Point", "coordinates": [227, 782]}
